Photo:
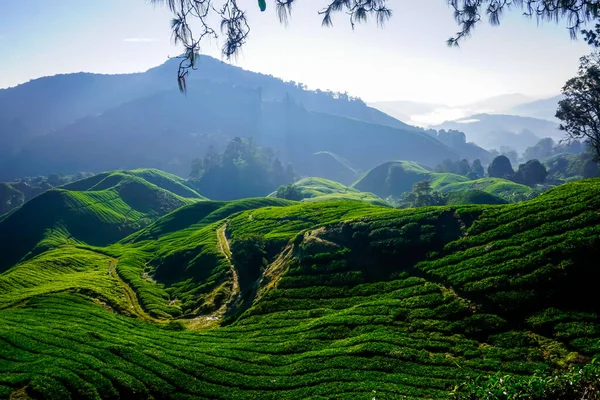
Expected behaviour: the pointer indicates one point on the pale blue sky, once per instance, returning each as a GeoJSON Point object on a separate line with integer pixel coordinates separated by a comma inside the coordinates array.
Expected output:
{"type": "Point", "coordinates": [407, 60]}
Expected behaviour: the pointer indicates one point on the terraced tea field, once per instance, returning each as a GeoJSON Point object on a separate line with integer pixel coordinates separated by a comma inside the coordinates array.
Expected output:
{"type": "Point", "coordinates": [265, 298]}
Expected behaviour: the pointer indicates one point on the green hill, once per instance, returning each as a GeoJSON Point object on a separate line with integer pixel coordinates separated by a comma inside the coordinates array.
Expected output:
{"type": "Point", "coordinates": [473, 197]}
{"type": "Point", "coordinates": [396, 177]}
{"type": "Point", "coordinates": [320, 189]}
{"type": "Point", "coordinates": [495, 186]}
{"type": "Point", "coordinates": [98, 210]}
{"type": "Point", "coordinates": [378, 180]}
{"type": "Point", "coordinates": [264, 298]}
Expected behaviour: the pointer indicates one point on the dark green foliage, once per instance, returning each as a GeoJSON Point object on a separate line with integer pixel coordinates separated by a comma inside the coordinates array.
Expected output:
{"type": "Point", "coordinates": [289, 192]}
{"type": "Point", "coordinates": [472, 197]}
{"type": "Point", "coordinates": [472, 176]}
{"type": "Point", "coordinates": [531, 173]}
{"type": "Point", "coordinates": [591, 169]}
{"type": "Point", "coordinates": [242, 170]}
{"type": "Point", "coordinates": [248, 255]}
{"type": "Point", "coordinates": [578, 109]}
{"type": "Point", "coordinates": [477, 168]}
{"type": "Point", "coordinates": [422, 195]}
{"type": "Point", "coordinates": [460, 167]}
{"type": "Point", "coordinates": [501, 167]}
{"type": "Point", "coordinates": [579, 382]}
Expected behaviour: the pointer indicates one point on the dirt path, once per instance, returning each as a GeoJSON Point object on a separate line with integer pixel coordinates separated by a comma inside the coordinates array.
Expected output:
{"type": "Point", "coordinates": [134, 306]}
{"type": "Point", "coordinates": [224, 247]}
{"type": "Point", "coordinates": [206, 321]}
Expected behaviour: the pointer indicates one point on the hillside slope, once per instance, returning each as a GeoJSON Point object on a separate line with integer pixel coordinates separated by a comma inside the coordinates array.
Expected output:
{"type": "Point", "coordinates": [98, 210]}
{"type": "Point", "coordinates": [341, 299]}
{"type": "Point", "coordinates": [319, 189]}
{"type": "Point", "coordinates": [397, 177]}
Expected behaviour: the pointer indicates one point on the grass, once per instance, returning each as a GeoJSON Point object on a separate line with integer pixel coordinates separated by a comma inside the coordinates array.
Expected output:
{"type": "Point", "coordinates": [98, 211]}
{"type": "Point", "coordinates": [473, 197]}
{"type": "Point", "coordinates": [494, 186]}
{"type": "Point", "coordinates": [320, 189]}
{"type": "Point", "coordinates": [351, 300]}
{"type": "Point", "coordinates": [376, 181]}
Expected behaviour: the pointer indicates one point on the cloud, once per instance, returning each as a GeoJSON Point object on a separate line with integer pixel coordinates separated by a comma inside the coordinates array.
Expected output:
{"type": "Point", "coordinates": [139, 40]}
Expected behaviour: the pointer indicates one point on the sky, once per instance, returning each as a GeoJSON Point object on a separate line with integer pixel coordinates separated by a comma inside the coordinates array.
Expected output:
{"type": "Point", "coordinates": [408, 59]}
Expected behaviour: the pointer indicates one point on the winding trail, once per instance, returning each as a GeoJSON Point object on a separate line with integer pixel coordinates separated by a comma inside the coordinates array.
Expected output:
{"type": "Point", "coordinates": [130, 296]}
{"type": "Point", "coordinates": [213, 319]}
{"type": "Point", "coordinates": [225, 249]}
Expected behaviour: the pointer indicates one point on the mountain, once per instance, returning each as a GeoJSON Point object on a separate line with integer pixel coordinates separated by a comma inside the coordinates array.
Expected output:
{"type": "Point", "coordinates": [498, 104]}
{"type": "Point", "coordinates": [310, 299]}
{"type": "Point", "coordinates": [428, 114]}
{"type": "Point", "coordinates": [98, 210]}
{"type": "Point", "coordinates": [494, 130]}
{"type": "Point", "coordinates": [150, 124]}
{"type": "Point", "coordinates": [542, 109]}
{"type": "Point", "coordinates": [325, 164]}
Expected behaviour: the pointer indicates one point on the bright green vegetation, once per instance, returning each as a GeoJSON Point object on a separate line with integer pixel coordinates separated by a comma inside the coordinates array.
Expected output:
{"type": "Point", "coordinates": [345, 300]}
{"type": "Point", "coordinates": [16, 193]}
{"type": "Point", "coordinates": [392, 178]}
{"type": "Point", "coordinates": [98, 210]}
{"type": "Point", "coordinates": [164, 180]}
{"type": "Point", "coordinates": [473, 197]}
{"type": "Point", "coordinates": [398, 177]}
{"type": "Point", "coordinates": [320, 189]}
{"type": "Point", "coordinates": [495, 186]}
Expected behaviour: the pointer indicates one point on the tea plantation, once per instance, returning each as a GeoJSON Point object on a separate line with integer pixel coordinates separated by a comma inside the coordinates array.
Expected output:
{"type": "Point", "coordinates": [267, 298]}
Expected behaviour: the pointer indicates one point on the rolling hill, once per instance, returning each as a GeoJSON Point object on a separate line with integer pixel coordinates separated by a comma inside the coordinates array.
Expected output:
{"type": "Point", "coordinates": [377, 181]}
{"type": "Point", "coordinates": [319, 189]}
{"type": "Point", "coordinates": [263, 298]}
{"type": "Point", "coordinates": [98, 210]}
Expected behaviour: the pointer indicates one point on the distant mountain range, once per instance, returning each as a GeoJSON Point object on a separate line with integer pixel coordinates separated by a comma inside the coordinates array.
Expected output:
{"type": "Point", "coordinates": [542, 109]}
{"type": "Point", "coordinates": [492, 131]}
{"type": "Point", "coordinates": [91, 122]}
{"type": "Point", "coordinates": [513, 120]}
{"type": "Point", "coordinates": [428, 114]}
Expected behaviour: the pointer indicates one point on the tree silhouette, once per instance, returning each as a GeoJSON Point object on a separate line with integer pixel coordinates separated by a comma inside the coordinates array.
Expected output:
{"type": "Point", "coordinates": [579, 111]}
{"type": "Point", "coordinates": [501, 168]}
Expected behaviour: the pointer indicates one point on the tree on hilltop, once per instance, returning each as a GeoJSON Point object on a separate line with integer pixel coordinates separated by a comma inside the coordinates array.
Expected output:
{"type": "Point", "coordinates": [579, 111]}
{"type": "Point", "coordinates": [501, 168]}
